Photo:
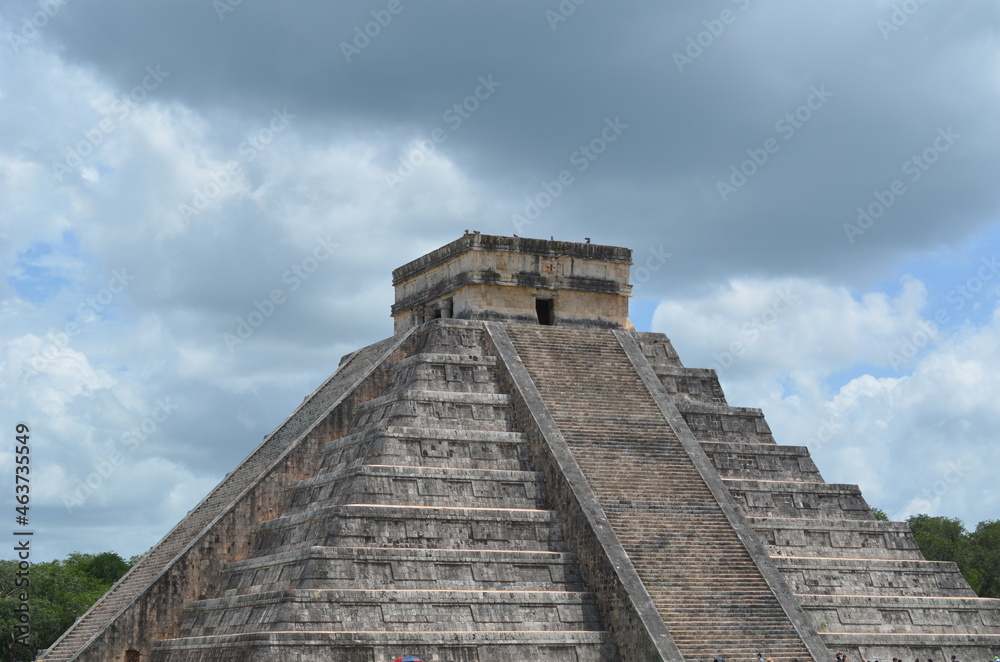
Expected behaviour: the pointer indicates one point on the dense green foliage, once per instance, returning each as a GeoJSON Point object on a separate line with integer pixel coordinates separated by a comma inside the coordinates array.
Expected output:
{"type": "Point", "coordinates": [106, 568]}
{"type": "Point", "coordinates": [59, 593]}
{"type": "Point", "coordinates": [977, 553]}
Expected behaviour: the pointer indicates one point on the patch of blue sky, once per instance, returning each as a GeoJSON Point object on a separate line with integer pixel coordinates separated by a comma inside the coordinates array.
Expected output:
{"type": "Point", "coordinates": [41, 272]}
{"type": "Point", "coordinates": [962, 280]}
{"type": "Point", "coordinates": [835, 381]}
{"type": "Point", "coordinates": [963, 285]}
{"type": "Point", "coordinates": [96, 172]}
{"type": "Point", "coordinates": [641, 311]}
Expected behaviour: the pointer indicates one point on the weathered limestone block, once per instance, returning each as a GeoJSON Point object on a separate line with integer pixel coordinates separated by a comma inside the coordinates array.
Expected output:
{"type": "Point", "coordinates": [883, 577]}
{"type": "Point", "coordinates": [393, 611]}
{"type": "Point", "coordinates": [377, 647]}
{"type": "Point", "coordinates": [400, 526]}
{"type": "Point", "coordinates": [437, 409]}
{"type": "Point", "coordinates": [763, 462]}
{"type": "Point", "coordinates": [836, 538]}
{"type": "Point", "coordinates": [473, 449]}
{"type": "Point", "coordinates": [658, 349]}
{"type": "Point", "coordinates": [692, 386]}
{"type": "Point", "coordinates": [790, 499]}
{"type": "Point", "coordinates": [444, 372]}
{"type": "Point", "coordinates": [424, 486]}
{"type": "Point", "coordinates": [744, 425]}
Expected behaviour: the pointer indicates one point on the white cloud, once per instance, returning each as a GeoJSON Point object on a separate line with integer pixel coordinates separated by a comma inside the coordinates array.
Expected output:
{"type": "Point", "coordinates": [799, 327]}
{"type": "Point", "coordinates": [922, 440]}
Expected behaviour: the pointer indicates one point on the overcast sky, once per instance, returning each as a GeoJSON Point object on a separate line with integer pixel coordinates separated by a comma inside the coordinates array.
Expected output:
{"type": "Point", "coordinates": [810, 191]}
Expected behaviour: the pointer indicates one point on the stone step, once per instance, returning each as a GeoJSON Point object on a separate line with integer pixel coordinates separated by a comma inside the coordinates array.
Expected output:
{"type": "Point", "coordinates": [863, 576]}
{"type": "Point", "coordinates": [451, 358]}
{"type": "Point", "coordinates": [445, 372]}
{"type": "Point", "coordinates": [762, 461]}
{"type": "Point", "coordinates": [366, 525]}
{"type": "Point", "coordinates": [656, 500]}
{"type": "Point", "coordinates": [690, 386]}
{"type": "Point", "coordinates": [696, 617]}
{"type": "Point", "coordinates": [383, 567]}
{"type": "Point", "coordinates": [433, 646]}
{"type": "Point", "coordinates": [692, 640]}
{"type": "Point", "coordinates": [827, 537]}
{"type": "Point", "coordinates": [920, 642]}
{"type": "Point", "coordinates": [442, 409]}
{"type": "Point", "coordinates": [449, 337]}
{"type": "Point", "coordinates": [419, 486]}
{"type": "Point", "coordinates": [438, 447]}
{"type": "Point", "coordinates": [900, 614]}
{"type": "Point", "coordinates": [366, 610]}
{"type": "Point", "coordinates": [416, 395]}
{"type": "Point", "coordinates": [791, 499]}
{"type": "Point", "coordinates": [753, 413]}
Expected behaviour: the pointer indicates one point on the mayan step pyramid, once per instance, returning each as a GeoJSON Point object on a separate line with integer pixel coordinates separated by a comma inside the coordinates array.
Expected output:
{"type": "Point", "coordinates": [517, 474]}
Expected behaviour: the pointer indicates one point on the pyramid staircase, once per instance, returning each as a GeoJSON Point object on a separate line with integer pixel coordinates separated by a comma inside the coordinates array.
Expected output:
{"type": "Point", "coordinates": [702, 579]}
{"type": "Point", "coordinates": [423, 532]}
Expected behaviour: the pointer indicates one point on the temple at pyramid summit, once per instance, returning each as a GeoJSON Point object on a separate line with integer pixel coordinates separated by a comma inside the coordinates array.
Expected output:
{"type": "Point", "coordinates": [518, 474]}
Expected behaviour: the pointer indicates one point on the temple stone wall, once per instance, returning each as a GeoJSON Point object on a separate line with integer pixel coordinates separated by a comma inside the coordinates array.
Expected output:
{"type": "Point", "coordinates": [485, 277]}
{"type": "Point", "coordinates": [515, 303]}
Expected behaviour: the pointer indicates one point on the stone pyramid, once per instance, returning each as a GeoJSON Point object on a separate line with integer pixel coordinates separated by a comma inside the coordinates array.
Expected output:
{"type": "Point", "coordinates": [517, 474]}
